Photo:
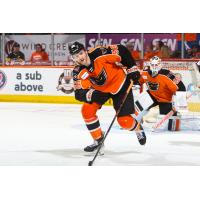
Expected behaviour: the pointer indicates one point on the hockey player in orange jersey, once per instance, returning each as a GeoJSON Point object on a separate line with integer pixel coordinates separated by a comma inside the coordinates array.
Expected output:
{"type": "Point", "coordinates": [162, 85]}
{"type": "Point", "coordinates": [98, 76]}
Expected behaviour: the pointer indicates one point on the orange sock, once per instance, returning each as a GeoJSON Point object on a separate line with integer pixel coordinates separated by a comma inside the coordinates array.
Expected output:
{"type": "Point", "coordinates": [91, 119]}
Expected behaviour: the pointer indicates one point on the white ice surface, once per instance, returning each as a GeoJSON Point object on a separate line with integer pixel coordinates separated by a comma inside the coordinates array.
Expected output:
{"type": "Point", "coordinates": [55, 135]}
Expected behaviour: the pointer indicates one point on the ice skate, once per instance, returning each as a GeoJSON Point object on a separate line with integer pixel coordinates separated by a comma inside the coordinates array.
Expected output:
{"type": "Point", "coordinates": [141, 135]}
{"type": "Point", "coordinates": [93, 147]}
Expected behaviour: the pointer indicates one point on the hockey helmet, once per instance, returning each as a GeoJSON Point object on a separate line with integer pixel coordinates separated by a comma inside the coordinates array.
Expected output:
{"type": "Point", "coordinates": [75, 48]}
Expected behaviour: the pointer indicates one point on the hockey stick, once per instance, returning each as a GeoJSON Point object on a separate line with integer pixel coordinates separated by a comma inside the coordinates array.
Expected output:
{"type": "Point", "coordinates": [191, 88]}
{"type": "Point", "coordinates": [166, 117]}
{"type": "Point", "coordinates": [121, 105]}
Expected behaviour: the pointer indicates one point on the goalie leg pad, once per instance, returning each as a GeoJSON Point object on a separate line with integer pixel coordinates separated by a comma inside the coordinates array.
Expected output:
{"type": "Point", "coordinates": [180, 100]}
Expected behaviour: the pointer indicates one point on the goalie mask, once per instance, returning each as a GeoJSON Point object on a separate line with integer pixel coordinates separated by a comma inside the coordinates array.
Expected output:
{"type": "Point", "coordinates": [155, 66]}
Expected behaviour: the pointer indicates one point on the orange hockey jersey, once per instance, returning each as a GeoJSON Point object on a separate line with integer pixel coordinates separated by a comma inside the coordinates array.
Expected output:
{"type": "Point", "coordinates": [161, 87]}
{"type": "Point", "coordinates": [106, 74]}
{"type": "Point", "coordinates": [106, 77]}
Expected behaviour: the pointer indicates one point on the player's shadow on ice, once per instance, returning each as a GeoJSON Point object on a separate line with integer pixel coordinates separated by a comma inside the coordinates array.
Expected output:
{"type": "Point", "coordinates": [116, 158]}
{"type": "Point", "coordinates": [78, 153]}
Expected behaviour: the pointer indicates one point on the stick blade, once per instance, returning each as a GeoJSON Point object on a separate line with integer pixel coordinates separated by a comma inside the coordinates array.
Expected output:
{"type": "Point", "coordinates": [90, 163]}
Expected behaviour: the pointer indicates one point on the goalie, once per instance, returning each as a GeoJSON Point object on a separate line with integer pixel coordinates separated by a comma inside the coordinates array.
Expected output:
{"type": "Point", "coordinates": [162, 86]}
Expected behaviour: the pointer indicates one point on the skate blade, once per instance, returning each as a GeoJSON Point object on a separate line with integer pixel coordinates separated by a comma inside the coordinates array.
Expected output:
{"type": "Point", "coordinates": [89, 154]}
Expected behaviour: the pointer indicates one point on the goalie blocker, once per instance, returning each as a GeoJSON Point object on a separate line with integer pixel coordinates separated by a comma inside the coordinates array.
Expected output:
{"type": "Point", "coordinates": [146, 101]}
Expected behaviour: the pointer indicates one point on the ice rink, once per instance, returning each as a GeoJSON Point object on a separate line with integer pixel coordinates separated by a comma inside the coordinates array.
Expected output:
{"type": "Point", "coordinates": [55, 135]}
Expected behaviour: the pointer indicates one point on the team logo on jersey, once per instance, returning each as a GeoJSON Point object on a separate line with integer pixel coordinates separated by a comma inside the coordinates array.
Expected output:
{"type": "Point", "coordinates": [101, 79]}
{"type": "Point", "coordinates": [3, 79]}
{"type": "Point", "coordinates": [152, 86]}
{"type": "Point", "coordinates": [65, 82]}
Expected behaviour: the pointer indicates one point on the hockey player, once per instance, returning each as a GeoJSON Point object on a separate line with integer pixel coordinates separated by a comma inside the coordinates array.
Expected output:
{"type": "Point", "coordinates": [98, 76]}
{"type": "Point", "coordinates": [162, 85]}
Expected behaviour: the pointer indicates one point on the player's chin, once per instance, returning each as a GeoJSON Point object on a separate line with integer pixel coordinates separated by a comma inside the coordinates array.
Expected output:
{"type": "Point", "coordinates": [83, 63]}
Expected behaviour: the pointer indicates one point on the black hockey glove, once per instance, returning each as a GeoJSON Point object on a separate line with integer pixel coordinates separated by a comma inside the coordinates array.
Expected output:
{"type": "Point", "coordinates": [96, 96]}
{"type": "Point", "coordinates": [133, 74]}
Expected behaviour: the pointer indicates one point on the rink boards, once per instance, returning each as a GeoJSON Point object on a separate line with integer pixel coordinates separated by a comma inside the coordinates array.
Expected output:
{"type": "Point", "coordinates": [49, 85]}
{"type": "Point", "coordinates": [37, 84]}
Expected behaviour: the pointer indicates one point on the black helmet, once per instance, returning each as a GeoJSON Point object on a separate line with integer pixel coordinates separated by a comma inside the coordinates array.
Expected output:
{"type": "Point", "coordinates": [75, 47]}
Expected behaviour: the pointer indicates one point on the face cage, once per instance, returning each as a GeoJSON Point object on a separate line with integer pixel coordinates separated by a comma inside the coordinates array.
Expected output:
{"type": "Point", "coordinates": [154, 70]}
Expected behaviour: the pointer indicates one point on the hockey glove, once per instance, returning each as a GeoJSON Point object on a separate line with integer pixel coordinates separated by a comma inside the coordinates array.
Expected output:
{"type": "Point", "coordinates": [133, 74]}
{"type": "Point", "coordinates": [97, 96]}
